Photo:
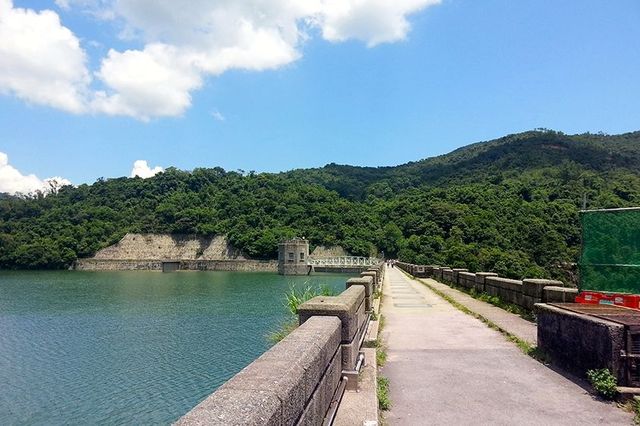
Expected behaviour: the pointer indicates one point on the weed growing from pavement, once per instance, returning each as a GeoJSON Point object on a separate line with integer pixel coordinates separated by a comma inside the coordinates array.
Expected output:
{"type": "Point", "coordinates": [381, 355]}
{"type": "Point", "coordinates": [384, 403]}
{"type": "Point", "coordinates": [603, 382]}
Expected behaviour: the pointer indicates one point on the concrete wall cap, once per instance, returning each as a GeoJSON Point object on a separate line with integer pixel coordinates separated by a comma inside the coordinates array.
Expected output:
{"type": "Point", "coordinates": [544, 307]}
{"type": "Point", "coordinates": [543, 281]}
{"type": "Point", "coordinates": [362, 280]}
{"type": "Point", "coordinates": [561, 289]}
{"type": "Point", "coordinates": [502, 280]}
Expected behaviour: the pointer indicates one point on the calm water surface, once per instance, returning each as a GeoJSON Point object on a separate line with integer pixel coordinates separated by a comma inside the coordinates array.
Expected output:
{"type": "Point", "coordinates": [130, 347]}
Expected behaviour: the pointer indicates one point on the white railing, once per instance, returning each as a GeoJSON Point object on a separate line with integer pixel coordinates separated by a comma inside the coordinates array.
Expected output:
{"type": "Point", "coordinates": [343, 261]}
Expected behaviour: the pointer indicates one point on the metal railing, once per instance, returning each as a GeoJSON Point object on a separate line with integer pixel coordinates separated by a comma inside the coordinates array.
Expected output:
{"type": "Point", "coordinates": [343, 261]}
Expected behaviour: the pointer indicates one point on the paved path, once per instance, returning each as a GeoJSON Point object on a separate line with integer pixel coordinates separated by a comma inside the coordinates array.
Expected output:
{"type": "Point", "coordinates": [511, 323]}
{"type": "Point", "coordinates": [448, 368]}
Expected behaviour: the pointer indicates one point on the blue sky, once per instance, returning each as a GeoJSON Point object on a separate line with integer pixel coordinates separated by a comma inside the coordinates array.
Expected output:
{"type": "Point", "coordinates": [355, 90]}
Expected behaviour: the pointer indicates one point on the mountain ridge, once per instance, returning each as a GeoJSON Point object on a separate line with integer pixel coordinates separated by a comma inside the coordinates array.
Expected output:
{"type": "Point", "coordinates": [509, 205]}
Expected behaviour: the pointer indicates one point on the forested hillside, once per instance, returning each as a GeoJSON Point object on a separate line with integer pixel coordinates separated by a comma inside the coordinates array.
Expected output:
{"type": "Point", "coordinates": [509, 205]}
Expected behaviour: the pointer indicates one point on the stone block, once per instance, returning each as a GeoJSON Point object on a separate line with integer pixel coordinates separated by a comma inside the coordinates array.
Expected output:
{"type": "Point", "coordinates": [437, 274]}
{"type": "Point", "coordinates": [456, 274]}
{"type": "Point", "coordinates": [375, 275]}
{"type": "Point", "coordinates": [533, 287]}
{"type": "Point", "coordinates": [367, 283]}
{"type": "Point", "coordinates": [553, 294]}
{"type": "Point", "coordinates": [507, 289]}
{"type": "Point", "coordinates": [480, 280]}
{"type": "Point", "coordinates": [467, 279]}
{"type": "Point", "coordinates": [345, 306]}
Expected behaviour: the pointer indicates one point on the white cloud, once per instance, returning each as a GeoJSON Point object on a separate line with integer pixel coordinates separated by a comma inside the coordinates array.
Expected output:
{"type": "Point", "coordinates": [41, 61]}
{"type": "Point", "coordinates": [153, 82]}
{"type": "Point", "coordinates": [217, 115]}
{"type": "Point", "coordinates": [370, 21]}
{"type": "Point", "coordinates": [13, 182]}
{"type": "Point", "coordinates": [184, 41]}
{"type": "Point", "coordinates": [142, 169]}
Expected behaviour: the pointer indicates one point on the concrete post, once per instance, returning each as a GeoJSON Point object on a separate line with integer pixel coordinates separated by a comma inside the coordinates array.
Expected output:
{"type": "Point", "coordinates": [374, 278]}
{"type": "Point", "coordinates": [367, 282]}
{"type": "Point", "coordinates": [480, 279]}
{"type": "Point", "coordinates": [349, 306]}
{"type": "Point", "coordinates": [456, 273]}
{"type": "Point", "coordinates": [533, 290]}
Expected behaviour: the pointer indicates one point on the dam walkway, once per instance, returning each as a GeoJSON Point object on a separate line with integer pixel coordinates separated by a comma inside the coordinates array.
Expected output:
{"type": "Point", "coordinates": [448, 368]}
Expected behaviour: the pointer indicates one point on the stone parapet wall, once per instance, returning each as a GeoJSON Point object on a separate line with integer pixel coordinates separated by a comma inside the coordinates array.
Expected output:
{"type": "Point", "coordinates": [506, 289]}
{"type": "Point", "coordinates": [292, 383]}
{"type": "Point", "coordinates": [188, 265]}
{"type": "Point", "coordinates": [525, 293]}
{"type": "Point", "coordinates": [467, 280]}
{"type": "Point", "coordinates": [447, 275]}
{"type": "Point", "coordinates": [300, 378]}
{"type": "Point", "coordinates": [553, 294]}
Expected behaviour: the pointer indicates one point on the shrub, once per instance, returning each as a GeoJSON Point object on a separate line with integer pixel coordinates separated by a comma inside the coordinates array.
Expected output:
{"type": "Point", "coordinates": [603, 382]}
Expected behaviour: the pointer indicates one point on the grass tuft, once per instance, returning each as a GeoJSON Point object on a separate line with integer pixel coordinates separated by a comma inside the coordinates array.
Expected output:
{"type": "Point", "coordinates": [292, 300]}
{"type": "Point", "coordinates": [384, 402]}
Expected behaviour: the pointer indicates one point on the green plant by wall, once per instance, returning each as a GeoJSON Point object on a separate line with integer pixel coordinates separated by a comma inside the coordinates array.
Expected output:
{"type": "Point", "coordinates": [292, 300]}
{"type": "Point", "coordinates": [296, 297]}
{"type": "Point", "coordinates": [381, 354]}
{"type": "Point", "coordinates": [384, 402]}
{"type": "Point", "coordinates": [635, 403]}
{"type": "Point", "coordinates": [603, 382]}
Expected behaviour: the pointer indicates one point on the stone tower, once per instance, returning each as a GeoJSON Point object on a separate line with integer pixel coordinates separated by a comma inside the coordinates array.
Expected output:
{"type": "Point", "coordinates": [292, 257]}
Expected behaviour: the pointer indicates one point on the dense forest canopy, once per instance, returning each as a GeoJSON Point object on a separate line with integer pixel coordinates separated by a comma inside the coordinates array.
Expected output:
{"type": "Point", "coordinates": [509, 205]}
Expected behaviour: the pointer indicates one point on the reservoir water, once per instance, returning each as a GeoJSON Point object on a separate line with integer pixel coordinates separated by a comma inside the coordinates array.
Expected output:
{"type": "Point", "coordinates": [130, 347]}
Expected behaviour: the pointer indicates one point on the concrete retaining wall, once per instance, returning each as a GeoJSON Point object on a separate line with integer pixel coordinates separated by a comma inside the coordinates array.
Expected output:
{"type": "Point", "coordinates": [578, 343]}
{"type": "Point", "coordinates": [189, 265]}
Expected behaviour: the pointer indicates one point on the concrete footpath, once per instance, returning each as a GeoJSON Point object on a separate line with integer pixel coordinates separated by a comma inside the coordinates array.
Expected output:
{"type": "Point", "coordinates": [511, 323]}
{"type": "Point", "coordinates": [448, 368]}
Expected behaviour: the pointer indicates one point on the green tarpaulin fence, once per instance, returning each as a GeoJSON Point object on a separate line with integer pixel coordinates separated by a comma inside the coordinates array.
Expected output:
{"type": "Point", "coordinates": [610, 259]}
